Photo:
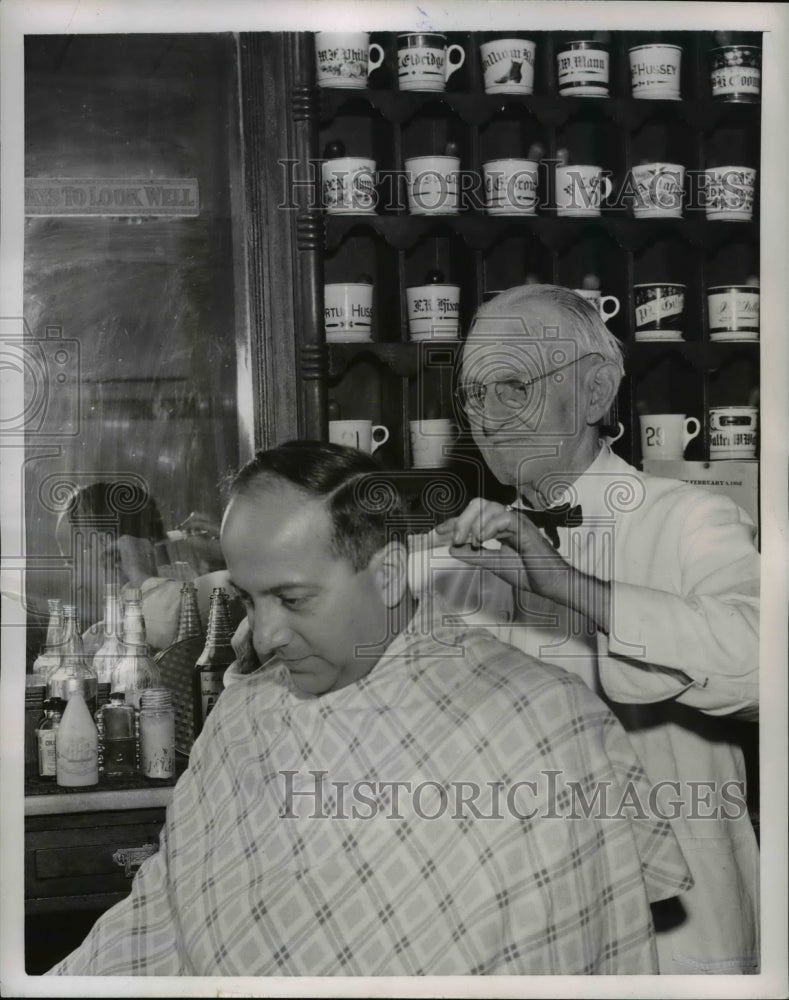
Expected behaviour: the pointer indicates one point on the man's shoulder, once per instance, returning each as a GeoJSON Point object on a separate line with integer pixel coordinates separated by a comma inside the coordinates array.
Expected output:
{"type": "Point", "coordinates": [490, 663]}
{"type": "Point", "coordinates": [261, 696]}
{"type": "Point", "coordinates": [636, 493]}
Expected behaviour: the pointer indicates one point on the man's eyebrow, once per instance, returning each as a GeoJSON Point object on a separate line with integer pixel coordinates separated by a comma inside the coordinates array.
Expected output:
{"type": "Point", "coordinates": [277, 588]}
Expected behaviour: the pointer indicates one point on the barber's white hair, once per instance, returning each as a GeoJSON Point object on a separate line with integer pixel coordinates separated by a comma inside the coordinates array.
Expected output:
{"type": "Point", "coordinates": [580, 320]}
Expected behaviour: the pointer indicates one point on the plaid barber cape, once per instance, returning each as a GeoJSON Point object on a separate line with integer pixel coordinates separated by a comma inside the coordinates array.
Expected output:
{"type": "Point", "coordinates": [463, 809]}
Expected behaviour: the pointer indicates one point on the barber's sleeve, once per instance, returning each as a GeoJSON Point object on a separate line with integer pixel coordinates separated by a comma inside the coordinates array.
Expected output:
{"type": "Point", "coordinates": [699, 645]}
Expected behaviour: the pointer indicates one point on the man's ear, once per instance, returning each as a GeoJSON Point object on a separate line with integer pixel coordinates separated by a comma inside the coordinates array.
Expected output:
{"type": "Point", "coordinates": [602, 386]}
{"type": "Point", "coordinates": [389, 567]}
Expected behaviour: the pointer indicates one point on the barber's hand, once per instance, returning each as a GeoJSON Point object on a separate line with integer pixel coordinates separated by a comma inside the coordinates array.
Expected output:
{"type": "Point", "coordinates": [526, 560]}
{"type": "Point", "coordinates": [199, 523]}
{"type": "Point", "coordinates": [137, 558]}
{"type": "Point", "coordinates": [541, 571]}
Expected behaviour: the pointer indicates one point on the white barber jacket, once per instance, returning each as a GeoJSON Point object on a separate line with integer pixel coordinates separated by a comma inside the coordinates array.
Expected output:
{"type": "Point", "coordinates": [683, 648]}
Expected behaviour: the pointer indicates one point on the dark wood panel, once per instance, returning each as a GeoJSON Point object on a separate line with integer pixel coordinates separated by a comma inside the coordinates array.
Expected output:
{"type": "Point", "coordinates": [66, 858]}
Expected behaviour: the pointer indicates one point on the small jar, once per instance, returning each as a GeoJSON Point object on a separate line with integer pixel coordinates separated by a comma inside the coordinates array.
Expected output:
{"type": "Point", "coordinates": [157, 733]}
{"type": "Point", "coordinates": [117, 726]}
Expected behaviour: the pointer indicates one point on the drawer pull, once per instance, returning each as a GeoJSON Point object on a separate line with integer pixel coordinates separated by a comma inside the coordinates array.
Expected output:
{"type": "Point", "coordinates": [130, 858]}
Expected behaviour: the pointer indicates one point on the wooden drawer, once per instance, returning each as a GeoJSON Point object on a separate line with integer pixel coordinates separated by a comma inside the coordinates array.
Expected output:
{"type": "Point", "coordinates": [87, 854]}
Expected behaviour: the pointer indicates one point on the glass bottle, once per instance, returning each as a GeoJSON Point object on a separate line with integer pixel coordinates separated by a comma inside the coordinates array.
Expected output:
{"type": "Point", "coordinates": [34, 713]}
{"type": "Point", "coordinates": [117, 726]}
{"type": "Point", "coordinates": [77, 743]}
{"type": "Point", "coordinates": [216, 657]}
{"type": "Point", "coordinates": [157, 733]}
{"type": "Point", "coordinates": [73, 668]}
{"type": "Point", "coordinates": [110, 651]}
{"type": "Point", "coordinates": [103, 695]}
{"type": "Point", "coordinates": [48, 660]}
{"type": "Point", "coordinates": [45, 735]}
{"type": "Point", "coordinates": [189, 624]}
{"type": "Point", "coordinates": [135, 670]}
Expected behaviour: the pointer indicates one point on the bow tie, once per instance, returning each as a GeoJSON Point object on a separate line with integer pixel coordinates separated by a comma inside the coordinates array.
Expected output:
{"type": "Point", "coordinates": [552, 518]}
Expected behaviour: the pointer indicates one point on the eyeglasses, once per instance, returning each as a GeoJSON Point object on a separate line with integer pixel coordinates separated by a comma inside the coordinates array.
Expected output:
{"type": "Point", "coordinates": [514, 394]}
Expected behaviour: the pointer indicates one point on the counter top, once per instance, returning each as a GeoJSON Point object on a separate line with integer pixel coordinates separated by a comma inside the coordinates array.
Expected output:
{"type": "Point", "coordinates": [44, 797]}
{"type": "Point", "coordinates": [93, 800]}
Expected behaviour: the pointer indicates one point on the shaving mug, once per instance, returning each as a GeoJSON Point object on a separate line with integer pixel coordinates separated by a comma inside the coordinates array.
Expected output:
{"type": "Point", "coordinates": [654, 71]}
{"type": "Point", "coordinates": [580, 189]}
{"type": "Point", "coordinates": [733, 432]}
{"type": "Point", "coordinates": [659, 311]}
{"type": "Point", "coordinates": [659, 189]}
{"type": "Point", "coordinates": [361, 434]}
{"type": "Point", "coordinates": [582, 70]}
{"type": "Point", "coordinates": [736, 73]}
{"type": "Point", "coordinates": [733, 312]}
{"type": "Point", "coordinates": [430, 442]}
{"type": "Point", "coordinates": [665, 436]}
{"type": "Point", "coordinates": [433, 311]}
{"type": "Point", "coordinates": [348, 184]}
{"type": "Point", "coordinates": [348, 311]}
{"type": "Point", "coordinates": [729, 193]}
{"type": "Point", "coordinates": [425, 62]}
{"type": "Point", "coordinates": [508, 65]}
{"type": "Point", "coordinates": [433, 184]}
{"type": "Point", "coordinates": [511, 186]}
{"type": "Point", "coordinates": [345, 58]}
{"type": "Point", "coordinates": [606, 305]}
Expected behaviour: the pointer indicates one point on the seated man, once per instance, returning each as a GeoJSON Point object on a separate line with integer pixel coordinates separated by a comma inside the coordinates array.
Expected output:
{"type": "Point", "coordinates": [389, 798]}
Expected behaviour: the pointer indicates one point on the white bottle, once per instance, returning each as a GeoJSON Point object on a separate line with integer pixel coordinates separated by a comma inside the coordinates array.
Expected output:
{"type": "Point", "coordinates": [77, 744]}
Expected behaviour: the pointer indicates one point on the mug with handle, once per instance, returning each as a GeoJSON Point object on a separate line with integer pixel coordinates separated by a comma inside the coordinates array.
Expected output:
{"type": "Point", "coordinates": [580, 189]}
{"type": "Point", "coordinates": [425, 61]}
{"type": "Point", "coordinates": [361, 434]}
{"type": "Point", "coordinates": [665, 436]}
{"type": "Point", "coordinates": [345, 58]}
{"type": "Point", "coordinates": [606, 305]}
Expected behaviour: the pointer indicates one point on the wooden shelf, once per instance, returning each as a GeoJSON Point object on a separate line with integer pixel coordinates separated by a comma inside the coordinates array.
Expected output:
{"type": "Point", "coordinates": [480, 232]}
{"type": "Point", "coordinates": [477, 109]}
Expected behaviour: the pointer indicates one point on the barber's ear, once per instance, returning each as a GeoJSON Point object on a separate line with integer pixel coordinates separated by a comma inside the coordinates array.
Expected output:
{"type": "Point", "coordinates": [389, 566]}
{"type": "Point", "coordinates": [602, 387]}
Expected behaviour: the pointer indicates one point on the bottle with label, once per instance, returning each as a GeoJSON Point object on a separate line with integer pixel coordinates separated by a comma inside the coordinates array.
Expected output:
{"type": "Point", "coordinates": [111, 650]}
{"type": "Point", "coordinates": [157, 733]}
{"type": "Point", "coordinates": [73, 668]}
{"type": "Point", "coordinates": [34, 713]}
{"type": "Point", "coordinates": [48, 660]}
{"type": "Point", "coordinates": [135, 670]}
{"type": "Point", "coordinates": [216, 657]}
{"type": "Point", "coordinates": [77, 743]}
{"type": "Point", "coordinates": [117, 726]}
{"type": "Point", "coordinates": [189, 624]}
{"type": "Point", "coordinates": [45, 734]}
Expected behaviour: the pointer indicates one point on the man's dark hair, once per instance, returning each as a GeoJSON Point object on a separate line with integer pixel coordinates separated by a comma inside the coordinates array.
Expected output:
{"type": "Point", "coordinates": [365, 507]}
{"type": "Point", "coordinates": [124, 506]}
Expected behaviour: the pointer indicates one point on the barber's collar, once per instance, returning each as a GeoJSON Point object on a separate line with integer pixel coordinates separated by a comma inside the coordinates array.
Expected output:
{"type": "Point", "coordinates": [588, 490]}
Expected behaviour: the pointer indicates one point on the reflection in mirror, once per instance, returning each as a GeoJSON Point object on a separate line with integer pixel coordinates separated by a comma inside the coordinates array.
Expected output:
{"type": "Point", "coordinates": [136, 312]}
